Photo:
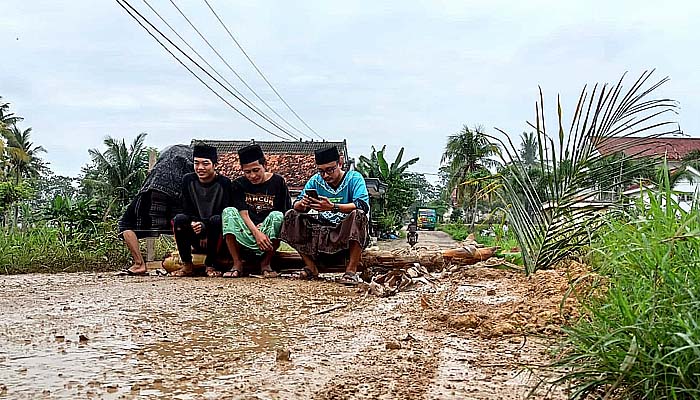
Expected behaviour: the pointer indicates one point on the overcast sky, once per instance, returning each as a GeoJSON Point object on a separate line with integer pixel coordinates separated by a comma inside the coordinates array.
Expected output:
{"type": "Point", "coordinates": [401, 73]}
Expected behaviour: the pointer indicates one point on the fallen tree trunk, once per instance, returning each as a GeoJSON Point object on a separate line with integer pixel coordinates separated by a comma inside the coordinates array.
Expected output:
{"type": "Point", "coordinates": [431, 259]}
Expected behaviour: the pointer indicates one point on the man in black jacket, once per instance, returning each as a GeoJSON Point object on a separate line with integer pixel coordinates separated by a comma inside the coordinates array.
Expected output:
{"type": "Point", "coordinates": [205, 194]}
{"type": "Point", "coordinates": [151, 211]}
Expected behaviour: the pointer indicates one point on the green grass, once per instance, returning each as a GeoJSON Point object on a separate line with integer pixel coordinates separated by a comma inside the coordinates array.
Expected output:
{"type": "Point", "coordinates": [52, 249]}
{"type": "Point", "coordinates": [641, 338]}
{"type": "Point", "coordinates": [504, 240]}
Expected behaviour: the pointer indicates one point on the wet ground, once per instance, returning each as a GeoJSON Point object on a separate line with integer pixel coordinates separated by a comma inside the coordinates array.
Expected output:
{"type": "Point", "coordinates": [87, 335]}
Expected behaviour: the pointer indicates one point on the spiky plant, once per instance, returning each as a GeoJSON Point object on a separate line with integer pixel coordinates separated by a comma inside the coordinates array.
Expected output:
{"type": "Point", "coordinates": [553, 221]}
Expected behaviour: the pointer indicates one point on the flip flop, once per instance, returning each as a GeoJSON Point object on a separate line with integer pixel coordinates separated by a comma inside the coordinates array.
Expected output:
{"type": "Point", "coordinates": [269, 273]}
{"type": "Point", "coordinates": [127, 272]}
{"type": "Point", "coordinates": [308, 275]}
{"type": "Point", "coordinates": [187, 270]}
{"type": "Point", "coordinates": [234, 272]}
{"type": "Point", "coordinates": [213, 272]}
{"type": "Point", "coordinates": [350, 279]}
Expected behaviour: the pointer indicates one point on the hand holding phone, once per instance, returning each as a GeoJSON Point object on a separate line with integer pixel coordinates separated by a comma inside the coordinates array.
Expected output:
{"type": "Point", "coordinates": [312, 193]}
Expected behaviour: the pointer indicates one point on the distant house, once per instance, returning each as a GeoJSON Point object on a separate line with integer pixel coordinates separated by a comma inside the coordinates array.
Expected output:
{"type": "Point", "coordinates": [670, 149]}
{"type": "Point", "coordinates": [293, 160]}
{"type": "Point", "coordinates": [673, 148]}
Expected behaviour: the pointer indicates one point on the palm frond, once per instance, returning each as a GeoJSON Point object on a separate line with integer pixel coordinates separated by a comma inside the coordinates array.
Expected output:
{"type": "Point", "coordinates": [555, 220]}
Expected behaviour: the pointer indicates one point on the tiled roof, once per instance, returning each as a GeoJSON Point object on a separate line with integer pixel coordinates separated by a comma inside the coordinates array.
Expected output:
{"type": "Point", "coordinates": [307, 147]}
{"type": "Point", "coordinates": [295, 168]}
{"type": "Point", "coordinates": [293, 160]}
{"type": "Point", "coordinates": [674, 148]}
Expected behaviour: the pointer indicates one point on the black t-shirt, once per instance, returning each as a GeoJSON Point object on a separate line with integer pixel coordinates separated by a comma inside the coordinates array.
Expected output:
{"type": "Point", "coordinates": [259, 200]}
{"type": "Point", "coordinates": [200, 201]}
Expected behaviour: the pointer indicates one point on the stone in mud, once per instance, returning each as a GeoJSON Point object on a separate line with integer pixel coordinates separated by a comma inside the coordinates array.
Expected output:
{"type": "Point", "coordinates": [393, 345]}
{"type": "Point", "coordinates": [283, 355]}
{"type": "Point", "coordinates": [466, 321]}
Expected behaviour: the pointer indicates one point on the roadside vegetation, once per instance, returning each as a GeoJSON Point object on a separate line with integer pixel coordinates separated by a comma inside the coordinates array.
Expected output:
{"type": "Point", "coordinates": [641, 337]}
{"type": "Point", "coordinates": [53, 223]}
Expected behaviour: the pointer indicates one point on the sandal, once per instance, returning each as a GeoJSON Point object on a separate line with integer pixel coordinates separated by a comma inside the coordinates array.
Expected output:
{"type": "Point", "coordinates": [234, 272]}
{"type": "Point", "coordinates": [213, 272]}
{"type": "Point", "coordinates": [306, 274]}
{"type": "Point", "coordinates": [186, 270]}
{"type": "Point", "coordinates": [268, 272]}
{"type": "Point", "coordinates": [350, 279]}
{"type": "Point", "coordinates": [128, 272]}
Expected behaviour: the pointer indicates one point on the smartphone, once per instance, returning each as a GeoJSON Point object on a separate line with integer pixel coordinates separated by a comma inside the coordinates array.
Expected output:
{"type": "Point", "coordinates": [312, 193]}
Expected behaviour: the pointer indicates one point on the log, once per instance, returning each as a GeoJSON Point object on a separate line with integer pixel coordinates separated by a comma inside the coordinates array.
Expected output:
{"type": "Point", "coordinates": [431, 259]}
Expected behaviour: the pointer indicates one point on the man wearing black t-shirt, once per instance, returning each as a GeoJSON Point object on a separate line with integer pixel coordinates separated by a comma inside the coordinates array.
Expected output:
{"type": "Point", "coordinates": [205, 194]}
{"type": "Point", "coordinates": [260, 200]}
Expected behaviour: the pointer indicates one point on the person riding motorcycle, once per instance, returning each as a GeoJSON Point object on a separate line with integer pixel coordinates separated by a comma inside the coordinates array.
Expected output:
{"type": "Point", "coordinates": [412, 235]}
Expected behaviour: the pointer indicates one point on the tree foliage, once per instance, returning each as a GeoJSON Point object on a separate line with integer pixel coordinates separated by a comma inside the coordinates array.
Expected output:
{"type": "Point", "coordinates": [467, 160]}
{"type": "Point", "coordinates": [116, 174]}
{"type": "Point", "coordinates": [401, 192]}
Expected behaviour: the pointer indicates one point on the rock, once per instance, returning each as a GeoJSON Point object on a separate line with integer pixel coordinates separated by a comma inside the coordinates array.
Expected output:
{"type": "Point", "coordinates": [83, 339]}
{"type": "Point", "coordinates": [393, 345]}
{"type": "Point", "coordinates": [283, 355]}
{"type": "Point", "coordinates": [491, 292]}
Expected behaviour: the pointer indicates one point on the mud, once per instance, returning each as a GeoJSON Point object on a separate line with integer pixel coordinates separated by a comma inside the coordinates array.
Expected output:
{"type": "Point", "coordinates": [98, 336]}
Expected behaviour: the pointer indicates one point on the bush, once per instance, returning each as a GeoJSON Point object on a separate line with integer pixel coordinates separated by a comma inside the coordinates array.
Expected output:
{"type": "Point", "coordinates": [641, 337]}
{"type": "Point", "coordinates": [46, 248]}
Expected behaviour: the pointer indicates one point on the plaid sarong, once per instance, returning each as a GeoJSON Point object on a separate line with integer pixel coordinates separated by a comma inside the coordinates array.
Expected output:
{"type": "Point", "coordinates": [308, 235]}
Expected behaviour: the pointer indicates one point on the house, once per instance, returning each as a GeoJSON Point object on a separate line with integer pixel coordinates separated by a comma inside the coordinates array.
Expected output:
{"type": "Point", "coordinates": [673, 148]}
{"type": "Point", "coordinates": [686, 190]}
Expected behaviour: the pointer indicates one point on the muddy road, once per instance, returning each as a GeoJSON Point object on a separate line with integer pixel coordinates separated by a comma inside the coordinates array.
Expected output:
{"type": "Point", "coordinates": [90, 335]}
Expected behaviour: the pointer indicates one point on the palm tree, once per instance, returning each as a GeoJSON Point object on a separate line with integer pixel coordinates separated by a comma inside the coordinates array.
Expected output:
{"type": "Point", "coordinates": [467, 155]}
{"type": "Point", "coordinates": [529, 149]}
{"type": "Point", "coordinates": [119, 171]}
{"type": "Point", "coordinates": [23, 156]}
{"type": "Point", "coordinates": [6, 117]}
{"type": "Point", "coordinates": [549, 232]}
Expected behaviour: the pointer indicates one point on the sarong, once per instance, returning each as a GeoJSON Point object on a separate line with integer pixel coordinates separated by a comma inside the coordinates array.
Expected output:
{"type": "Point", "coordinates": [308, 236]}
{"type": "Point", "coordinates": [233, 224]}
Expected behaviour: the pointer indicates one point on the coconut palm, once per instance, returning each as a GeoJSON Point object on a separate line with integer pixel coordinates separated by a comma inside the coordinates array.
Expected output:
{"type": "Point", "coordinates": [553, 230]}
{"type": "Point", "coordinates": [119, 171]}
{"type": "Point", "coordinates": [468, 159]}
{"type": "Point", "coordinates": [23, 159]}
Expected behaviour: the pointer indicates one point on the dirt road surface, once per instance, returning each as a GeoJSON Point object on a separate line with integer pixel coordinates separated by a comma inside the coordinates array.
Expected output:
{"type": "Point", "coordinates": [90, 335]}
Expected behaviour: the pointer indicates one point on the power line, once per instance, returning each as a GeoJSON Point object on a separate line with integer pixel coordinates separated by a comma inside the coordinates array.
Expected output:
{"type": "Point", "coordinates": [248, 103]}
{"type": "Point", "coordinates": [234, 71]}
{"type": "Point", "coordinates": [259, 71]}
{"type": "Point", "coordinates": [122, 4]}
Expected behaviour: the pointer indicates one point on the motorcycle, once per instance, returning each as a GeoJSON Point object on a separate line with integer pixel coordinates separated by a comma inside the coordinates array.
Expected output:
{"type": "Point", "coordinates": [412, 233]}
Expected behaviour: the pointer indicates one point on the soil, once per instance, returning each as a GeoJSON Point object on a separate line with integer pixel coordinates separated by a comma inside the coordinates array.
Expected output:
{"type": "Point", "coordinates": [91, 335]}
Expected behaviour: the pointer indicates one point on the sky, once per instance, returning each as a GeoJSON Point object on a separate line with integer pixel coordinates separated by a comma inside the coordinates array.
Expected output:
{"type": "Point", "coordinates": [395, 73]}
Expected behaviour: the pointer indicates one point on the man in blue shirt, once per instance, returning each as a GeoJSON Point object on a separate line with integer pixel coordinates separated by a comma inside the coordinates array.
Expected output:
{"type": "Point", "coordinates": [342, 202]}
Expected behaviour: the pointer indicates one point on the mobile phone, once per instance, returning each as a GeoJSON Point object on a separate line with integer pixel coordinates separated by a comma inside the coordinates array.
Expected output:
{"type": "Point", "coordinates": [312, 193]}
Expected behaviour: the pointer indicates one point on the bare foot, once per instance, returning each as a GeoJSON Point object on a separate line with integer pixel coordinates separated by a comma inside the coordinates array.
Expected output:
{"type": "Point", "coordinates": [213, 272]}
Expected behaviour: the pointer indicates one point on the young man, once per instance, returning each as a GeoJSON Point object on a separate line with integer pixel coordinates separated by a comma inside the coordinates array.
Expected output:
{"type": "Point", "coordinates": [205, 194]}
{"type": "Point", "coordinates": [260, 200]}
{"type": "Point", "coordinates": [158, 201]}
{"type": "Point", "coordinates": [343, 204]}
